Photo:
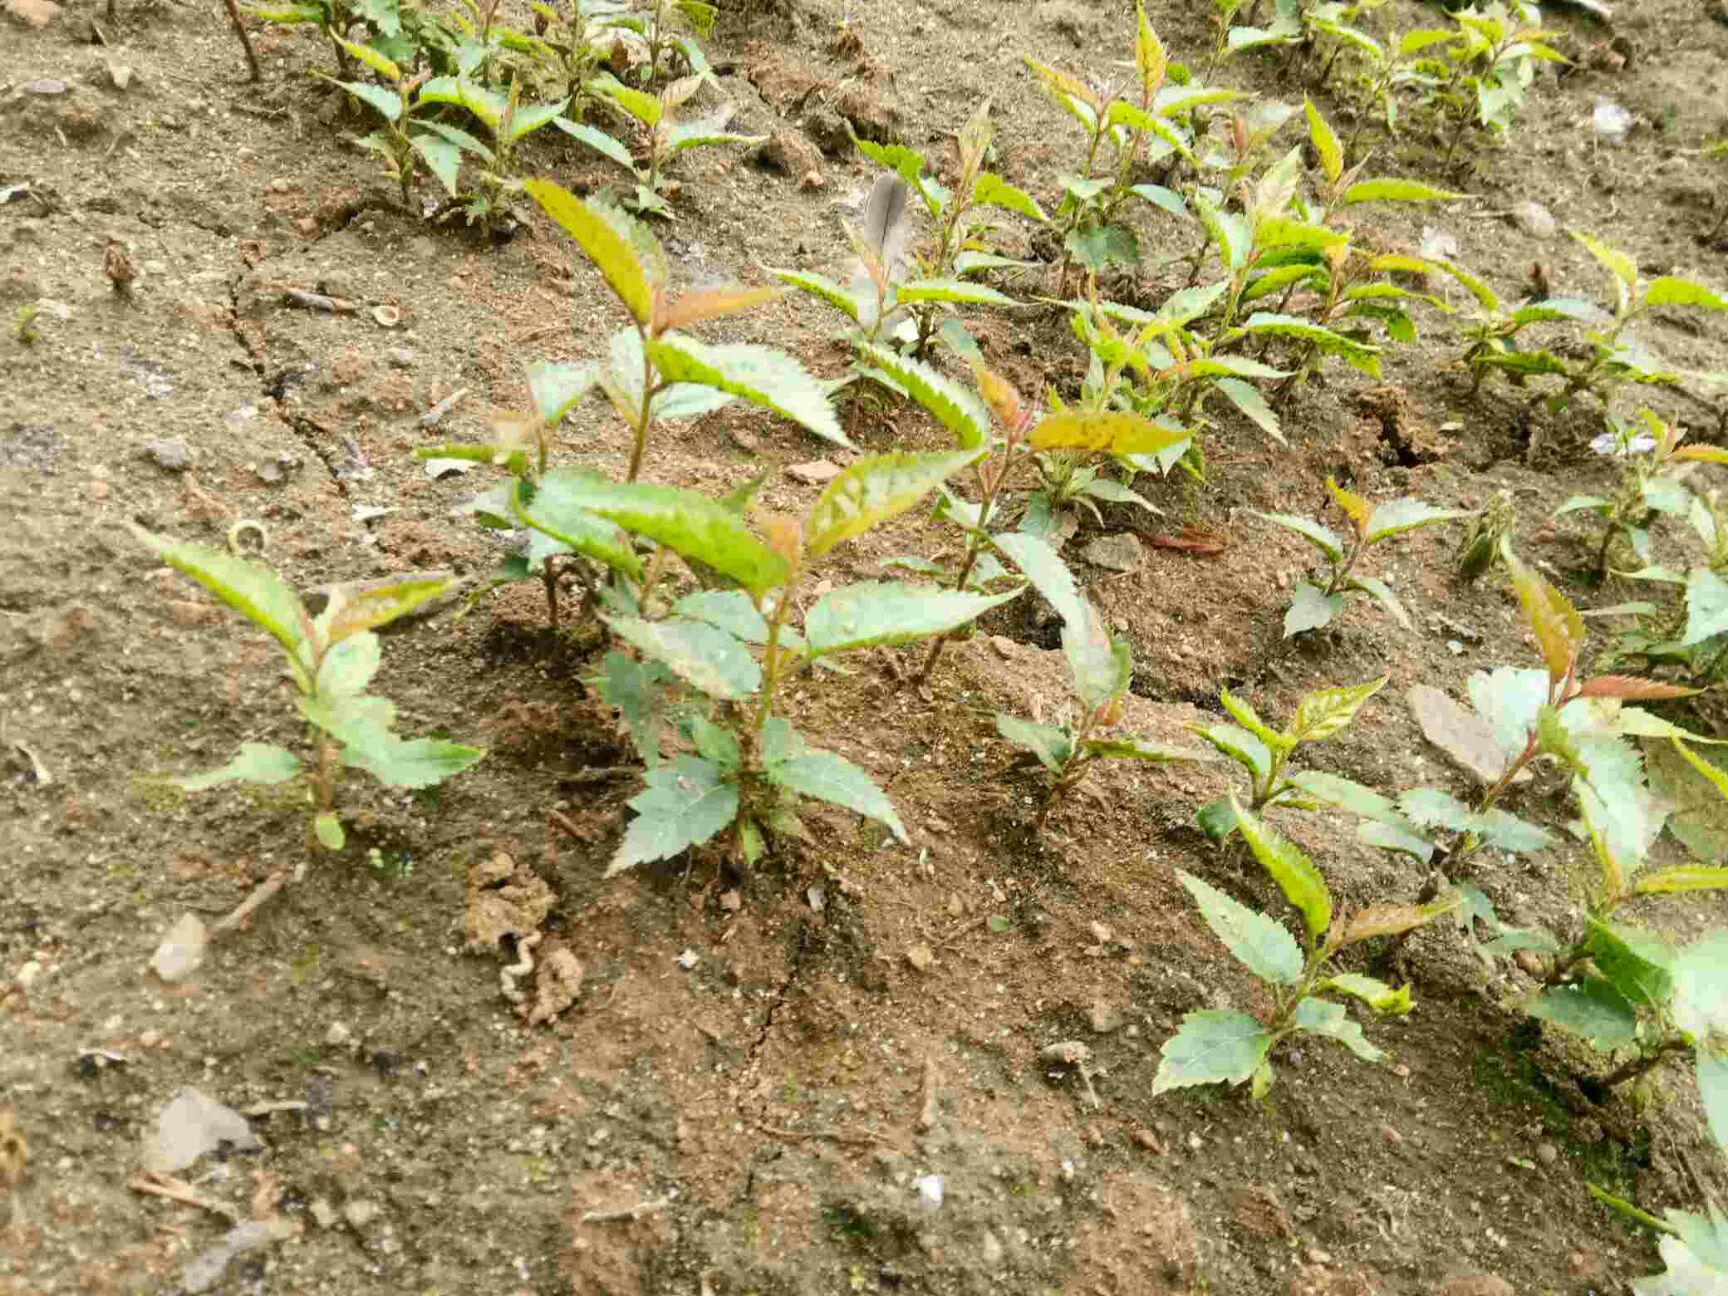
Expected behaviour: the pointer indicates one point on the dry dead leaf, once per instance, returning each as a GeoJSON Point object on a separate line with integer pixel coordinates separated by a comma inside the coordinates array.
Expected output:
{"type": "Point", "coordinates": [557, 984]}
{"type": "Point", "coordinates": [1458, 731]}
{"type": "Point", "coordinates": [505, 898]}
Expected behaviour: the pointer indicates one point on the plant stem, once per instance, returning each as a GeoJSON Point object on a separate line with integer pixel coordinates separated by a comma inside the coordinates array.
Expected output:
{"type": "Point", "coordinates": [644, 416]}
{"type": "Point", "coordinates": [1641, 1065]}
{"type": "Point", "coordinates": [256, 74]}
{"type": "Point", "coordinates": [549, 575]}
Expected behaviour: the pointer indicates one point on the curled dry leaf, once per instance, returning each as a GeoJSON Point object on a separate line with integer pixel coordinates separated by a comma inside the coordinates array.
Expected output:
{"type": "Point", "coordinates": [505, 898]}
{"type": "Point", "coordinates": [557, 985]}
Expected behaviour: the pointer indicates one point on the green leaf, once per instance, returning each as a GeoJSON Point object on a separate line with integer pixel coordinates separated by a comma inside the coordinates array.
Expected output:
{"type": "Point", "coordinates": [1615, 261]}
{"type": "Point", "coordinates": [644, 107]}
{"type": "Point", "coordinates": [1139, 749]}
{"type": "Point", "coordinates": [1683, 877]}
{"type": "Point", "coordinates": [1333, 1020]}
{"type": "Point", "coordinates": [531, 117]}
{"type": "Point", "coordinates": [256, 763]}
{"type": "Point", "coordinates": [1216, 819]}
{"type": "Point", "coordinates": [874, 490]}
{"type": "Point", "coordinates": [457, 136]}
{"type": "Point", "coordinates": [1379, 996]}
{"type": "Point", "coordinates": [362, 726]}
{"type": "Point", "coordinates": [250, 588]}
{"type": "Point", "coordinates": [817, 285]}
{"type": "Point", "coordinates": [1102, 664]}
{"type": "Point", "coordinates": [1636, 963]}
{"type": "Point", "coordinates": [1347, 795]}
{"type": "Point", "coordinates": [685, 803]}
{"type": "Point", "coordinates": [1592, 1008]}
{"type": "Point", "coordinates": [1509, 698]}
{"type": "Point", "coordinates": [730, 610]}
{"type": "Point", "coordinates": [953, 406]}
{"type": "Point", "coordinates": [1310, 609]}
{"type": "Point", "coordinates": [608, 237]}
{"type": "Point", "coordinates": [637, 689]}
{"type": "Point", "coordinates": [1099, 247]}
{"type": "Point", "coordinates": [553, 507]}
{"type": "Point", "coordinates": [1387, 189]}
{"type": "Point", "coordinates": [364, 606]}
{"type": "Point", "coordinates": [1402, 515]}
{"type": "Point", "coordinates": [327, 828]}
{"type": "Point", "coordinates": [1049, 575]}
{"type": "Point", "coordinates": [1320, 537]}
{"type": "Point", "coordinates": [1382, 594]}
{"type": "Point", "coordinates": [1052, 746]}
{"type": "Point", "coordinates": [598, 140]}
{"type": "Point", "coordinates": [1706, 606]}
{"type": "Point", "coordinates": [488, 105]}
{"type": "Point", "coordinates": [1325, 141]}
{"type": "Point", "coordinates": [702, 655]}
{"type": "Point", "coordinates": [1293, 871]}
{"type": "Point", "coordinates": [386, 103]}
{"type": "Point", "coordinates": [557, 385]}
{"type": "Point", "coordinates": [1246, 716]}
{"type": "Point", "coordinates": [1239, 745]}
{"type": "Point", "coordinates": [1164, 199]}
{"type": "Point", "coordinates": [828, 777]}
{"type": "Point", "coordinates": [1261, 945]}
{"type": "Point", "coordinates": [1214, 1046]}
{"type": "Point", "coordinates": [759, 374]}
{"type": "Point", "coordinates": [868, 614]}
{"type": "Point", "coordinates": [1326, 711]}
{"type": "Point", "coordinates": [349, 666]}
{"type": "Point", "coordinates": [1666, 290]}
{"type": "Point", "coordinates": [683, 520]}
{"type": "Point", "coordinates": [1247, 398]}
{"type": "Point", "coordinates": [443, 159]}
{"type": "Point", "coordinates": [993, 191]}
{"type": "Point", "coordinates": [914, 291]}
{"type": "Point", "coordinates": [1359, 355]}
{"type": "Point", "coordinates": [1701, 987]}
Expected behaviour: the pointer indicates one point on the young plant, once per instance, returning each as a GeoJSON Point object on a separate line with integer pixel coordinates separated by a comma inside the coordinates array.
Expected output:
{"type": "Point", "coordinates": [1225, 1046]}
{"type": "Point", "coordinates": [1316, 603]}
{"type": "Point", "coordinates": [667, 34]}
{"type": "Point", "coordinates": [654, 370]}
{"type": "Point", "coordinates": [750, 770]}
{"type": "Point", "coordinates": [1654, 464]}
{"type": "Point", "coordinates": [409, 136]}
{"type": "Point", "coordinates": [1100, 669]}
{"type": "Point", "coordinates": [1004, 459]}
{"type": "Point", "coordinates": [506, 122]}
{"type": "Point", "coordinates": [1487, 539]}
{"type": "Point", "coordinates": [661, 135]}
{"type": "Point", "coordinates": [1611, 357]}
{"type": "Point", "coordinates": [1264, 751]}
{"type": "Point", "coordinates": [1693, 633]}
{"type": "Point", "coordinates": [331, 659]}
{"type": "Point", "coordinates": [1149, 125]}
{"type": "Point", "coordinates": [1625, 989]}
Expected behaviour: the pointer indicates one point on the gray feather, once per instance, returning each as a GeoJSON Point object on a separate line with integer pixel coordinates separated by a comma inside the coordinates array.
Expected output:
{"type": "Point", "coordinates": [884, 218]}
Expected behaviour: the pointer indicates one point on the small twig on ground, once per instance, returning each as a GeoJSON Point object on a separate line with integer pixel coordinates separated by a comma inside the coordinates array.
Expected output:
{"type": "Point", "coordinates": [630, 1214]}
{"type": "Point", "coordinates": [243, 911]}
{"type": "Point", "coordinates": [434, 416]}
{"type": "Point", "coordinates": [561, 821]}
{"type": "Point", "coordinates": [161, 1185]}
{"type": "Point", "coordinates": [829, 1136]}
{"type": "Point", "coordinates": [927, 1110]}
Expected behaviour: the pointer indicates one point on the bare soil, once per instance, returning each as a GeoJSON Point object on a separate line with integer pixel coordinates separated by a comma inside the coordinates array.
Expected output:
{"type": "Point", "coordinates": [770, 1074]}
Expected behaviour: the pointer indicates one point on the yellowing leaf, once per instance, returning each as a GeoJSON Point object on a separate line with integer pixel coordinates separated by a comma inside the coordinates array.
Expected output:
{"type": "Point", "coordinates": [1353, 506]}
{"type": "Point", "coordinates": [1324, 712]}
{"type": "Point", "coordinates": [1393, 920]}
{"type": "Point", "coordinates": [710, 303]}
{"type": "Point", "coordinates": [1325, 142]}
{"type": "Point", "coordinates": [874, 490]}
{"type": "Point", "coordinates": [1149, 56]}
{"type": "Point", "coordinates": [1558, 628]}
{"type": "Point", "coordinates": [1613, 259]}
{"type": "Point", "coordinates": [606, 238]}
{"type": "Point", "coordinates": [1114, 431]}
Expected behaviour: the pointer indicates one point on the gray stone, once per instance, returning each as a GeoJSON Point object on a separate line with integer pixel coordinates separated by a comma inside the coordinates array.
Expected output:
{"type": "Point", "coordinates": [818, 472]}
{"type": "Point", "coordinates": [191, 1126]}
{"type": "Point", "coordinates": [1534, 219]}
{"type": "Point", "coordinates": [1117, 551]}
{"type": "Point", "coordinates": [171, 453]}
{"type": "Point", "coordinates": [181, 952]}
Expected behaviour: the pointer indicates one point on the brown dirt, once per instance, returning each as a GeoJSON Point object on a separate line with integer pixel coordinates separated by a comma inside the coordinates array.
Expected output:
{"type": "Point", "coordinates": [769, 1102]}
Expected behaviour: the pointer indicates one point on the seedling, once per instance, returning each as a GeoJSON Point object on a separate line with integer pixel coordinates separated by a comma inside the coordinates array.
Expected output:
{"type": "Point", "coordinates": [1264, 751]}
{"type": "Point", "coordinates": [1487, 537]}
{"type": "Point", "coordinates": [1612, 358]}
{"type": "Point", "coordinates": [662, 136]}
{"type": "Point", "coordinates": [407, 139]}
{"type": "Point", "coordinates": [654, 370]}
{"type": "Point", "coordinates": [506, 121]}
{"type": "Point", "coordinates": [1319, 604]}
{"type": "Point", "coordinates": [1225, 1046]}
{"type": "Point", "coordinates": [24, 324]}
{"type": "Point", "coordinates": [1002, 465]}
{"type": "Point", "coordinates": [331, 660]}
{"type": "Point", "coordinates": [1151, 125]}
{"type": "Point", "coordinates": [1623, 988]}
{"type": "Point", "coordinates": [1100, 669]}
{"type": "Point", "coordinates": [1651, 484]}
{"type": "Point", "coordinates": [750, 769]}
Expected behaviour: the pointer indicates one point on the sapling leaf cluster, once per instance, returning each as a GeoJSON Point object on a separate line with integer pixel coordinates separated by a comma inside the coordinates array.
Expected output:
{"type": "Point", "coordinates": [330, 660]}
{"type": "Point", "coordinates": [1307, 988]}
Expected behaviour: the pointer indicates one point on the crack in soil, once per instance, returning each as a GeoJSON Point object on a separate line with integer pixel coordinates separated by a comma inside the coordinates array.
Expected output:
{"type": "Point", "coordinates": [753, 1056]}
